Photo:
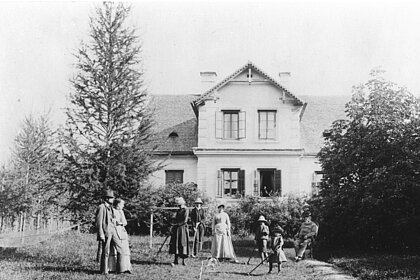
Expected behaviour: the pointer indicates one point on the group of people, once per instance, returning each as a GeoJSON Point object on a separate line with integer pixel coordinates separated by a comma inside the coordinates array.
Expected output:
{"type": "Point", "coordinates": [114, 251]}
{"type": "Point", "coordinates": [113, 247]}
{"type": "Point", "coordinates": [305, 236]}
{"type": "Point", "coordinates": [221, 248]}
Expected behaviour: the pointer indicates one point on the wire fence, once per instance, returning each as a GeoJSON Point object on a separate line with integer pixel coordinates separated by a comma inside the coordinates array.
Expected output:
{"type": "Point", "coordinates": [24, 230]}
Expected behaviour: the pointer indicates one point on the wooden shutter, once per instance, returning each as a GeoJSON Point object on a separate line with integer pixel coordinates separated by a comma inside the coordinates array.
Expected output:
{"type": "Point", "coordinates": [256, 183]}
{"type": "Point", "coordinates": [277, 182]}
{"type": "Point", "coordinates": [241, 182]}
{"type": "Point", "coordinates": [219, 183]}
{"type": "Point", "coordinates": [242, 125]}
{"type": "Point", "coordinates": [219, 125]}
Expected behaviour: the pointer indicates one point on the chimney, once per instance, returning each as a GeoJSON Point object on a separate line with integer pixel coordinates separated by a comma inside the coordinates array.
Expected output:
{"type": "Point", "coordinates": [285, 78]}
{"type": "Point", "coordinates": [208, 80]}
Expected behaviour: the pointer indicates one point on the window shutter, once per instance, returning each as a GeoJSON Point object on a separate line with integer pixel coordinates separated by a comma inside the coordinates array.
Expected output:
{"type": "Point", "coordinates": [277, 182]}
{"type": "Point", "coordinates": [242, 125]}
{"type": "Point", "coordinates": [219, 183]}
{"type": "Point", "coordinates": [219, 125]}
{"type": "Point", "coordinates": [256, 183]}
{"type": "Point", "coordinates": [241, 182]}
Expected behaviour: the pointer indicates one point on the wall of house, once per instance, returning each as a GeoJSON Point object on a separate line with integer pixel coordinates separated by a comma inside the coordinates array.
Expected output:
{"type": "Point", "coordinates": [308, 166]}
{"type": "Point", "coordinates": [294, 179]}
{"type": "Point", "coordinates": [240, 95]}
{"type": "Point", "coordinates": [188, 163]}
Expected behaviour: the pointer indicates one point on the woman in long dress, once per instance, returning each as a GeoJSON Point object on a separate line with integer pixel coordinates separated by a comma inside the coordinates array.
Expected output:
{"type": "Point", "coordinates": [221, 246]}
{"type": "Point", "coordinates": [179, 236]}
{"type": "Point", "coordinates": [120, 262]}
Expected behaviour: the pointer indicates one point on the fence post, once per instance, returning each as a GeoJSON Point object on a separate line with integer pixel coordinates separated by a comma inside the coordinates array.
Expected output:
{"type": "Point", "coordinates": [151, 230]}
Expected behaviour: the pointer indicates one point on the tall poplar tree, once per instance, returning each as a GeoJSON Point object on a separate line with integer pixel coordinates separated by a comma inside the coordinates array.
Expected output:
{"type": "Point", "coordinates": [109, 125]}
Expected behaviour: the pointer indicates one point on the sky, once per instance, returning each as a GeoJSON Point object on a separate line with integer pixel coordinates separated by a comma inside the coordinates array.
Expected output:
{"type": "Point", "coordinates": [328, 46]}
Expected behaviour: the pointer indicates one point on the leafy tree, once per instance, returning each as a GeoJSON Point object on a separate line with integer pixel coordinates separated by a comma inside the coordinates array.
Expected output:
{"type": "Point", "coordinates": [370, 196]}
{"type": "Point", "coordinates": [108, 126]}
{"type": "Point", "coordinates": [33, 158]}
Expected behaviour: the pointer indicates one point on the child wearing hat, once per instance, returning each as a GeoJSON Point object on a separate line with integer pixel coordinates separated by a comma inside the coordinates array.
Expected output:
{"type": "Point", "coordinates": [261, 236]}
{"type": "Point", "coordinates": [276, 246]}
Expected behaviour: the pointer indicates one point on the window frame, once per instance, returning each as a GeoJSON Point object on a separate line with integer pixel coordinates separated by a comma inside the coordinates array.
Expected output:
{"type": "Point", "coordinates": [266, 129]}
{"type": "Point", "coordinates": [230, 131]}
{"type": "Point", "coordinates": [175, 171]}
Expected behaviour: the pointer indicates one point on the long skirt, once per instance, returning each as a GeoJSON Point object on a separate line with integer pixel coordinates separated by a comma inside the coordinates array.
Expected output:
{"type": "Point", "coordinates": [278, 257]}
{"type": "Point", "coordinates": [179, 242]}
{"type": "Point", "coordinates": [222, 247]}
{"type": "Point", "coordinates": [120, 262]}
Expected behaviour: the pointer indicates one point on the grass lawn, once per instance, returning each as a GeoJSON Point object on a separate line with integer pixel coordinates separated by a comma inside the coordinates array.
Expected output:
{"type": "Point", "coordinates": [380, 266]}
{"type": "Point", "coordinates": [72, 256]}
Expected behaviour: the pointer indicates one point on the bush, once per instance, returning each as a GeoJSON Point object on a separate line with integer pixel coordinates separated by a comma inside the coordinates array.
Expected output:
{"type": "Point", "coordinates": [150, 198]}
{"type": "Point", "coordinates": [286, 211]}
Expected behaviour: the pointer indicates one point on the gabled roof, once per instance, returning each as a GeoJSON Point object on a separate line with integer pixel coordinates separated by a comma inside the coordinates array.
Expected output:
{"type": "Point", "coordinates": [173, 113]}
{"type": "Point", "coordinates": [320, 113]}
{"type": "Point", "coordinates": [229, 78]}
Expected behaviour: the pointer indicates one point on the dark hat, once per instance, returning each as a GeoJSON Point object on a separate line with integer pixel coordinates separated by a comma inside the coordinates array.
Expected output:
{"type": "Point", "coordinates": [109, 193]}
{"type": "Point", "coordinates": [306, 214]}
{"type": "Point", "coordinates": [277, 229]}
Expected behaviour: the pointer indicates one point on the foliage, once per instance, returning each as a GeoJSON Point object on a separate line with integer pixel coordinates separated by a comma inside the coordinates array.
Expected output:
{"type": "Point", "coordinates": [149, 198]}
{"type": "Point", "coordinates": [26, 184]}
{"type": "Point", "coordinates": [370, 196]}
{"type": "Point", "coordinates": [286, 211]}
{"type": "Point", "coordinates": [108, 126]}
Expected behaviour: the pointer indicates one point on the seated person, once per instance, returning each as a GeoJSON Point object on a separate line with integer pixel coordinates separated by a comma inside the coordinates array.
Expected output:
{"type": "Point", "coordinates": [308, 230]}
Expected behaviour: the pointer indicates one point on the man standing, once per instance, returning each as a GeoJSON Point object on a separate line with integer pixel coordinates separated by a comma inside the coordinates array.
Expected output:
{"type": "Point", "coordinates": [107, 233]}
{"type": "Point", "coordinates": [197, 220]}
{"type": "Point", "coordinates": [307, 232]}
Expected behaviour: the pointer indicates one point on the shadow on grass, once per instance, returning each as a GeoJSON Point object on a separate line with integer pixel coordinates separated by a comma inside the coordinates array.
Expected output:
{"type": "Point", "coordinates": [149, 262]}
{"type": "Point", "coordinates": [67, 269]}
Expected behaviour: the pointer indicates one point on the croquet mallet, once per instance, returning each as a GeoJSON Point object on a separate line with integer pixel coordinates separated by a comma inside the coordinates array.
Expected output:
{"type": "Point", "coordinates": [249, 273]}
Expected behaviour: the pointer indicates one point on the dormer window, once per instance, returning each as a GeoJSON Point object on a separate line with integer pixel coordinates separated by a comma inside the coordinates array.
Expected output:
{"type": "Point", "coordinates": [173, 134]}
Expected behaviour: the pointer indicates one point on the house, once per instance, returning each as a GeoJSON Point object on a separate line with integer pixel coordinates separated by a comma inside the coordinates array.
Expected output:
{"type": "Point", "coordinates": [245, 135]}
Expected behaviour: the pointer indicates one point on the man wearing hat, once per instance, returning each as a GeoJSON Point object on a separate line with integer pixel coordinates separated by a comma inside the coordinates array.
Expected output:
{"type": "Point", "coordinates": [197, 220]}
{"type": "Point", "coordinates": [261, 236]}
{"type": "Point", "coordinates": [107, 232]}
{"type": "Point", "coordinates": [308, 230]}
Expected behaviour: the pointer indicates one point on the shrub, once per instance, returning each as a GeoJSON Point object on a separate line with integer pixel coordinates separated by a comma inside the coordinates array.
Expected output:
{"type": "Point", "coordinates": [150, 198]}
{"type": "Point", "coordinates": [286, 211]}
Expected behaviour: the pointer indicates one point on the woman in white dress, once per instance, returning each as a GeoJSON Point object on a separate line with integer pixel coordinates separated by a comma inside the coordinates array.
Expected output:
{"type": "Point", "coordinates": [120, 262]}
{"type": "Point", "coordinates": [221, 246]}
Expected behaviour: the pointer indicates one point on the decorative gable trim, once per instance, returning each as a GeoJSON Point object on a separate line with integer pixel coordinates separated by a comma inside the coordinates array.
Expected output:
{"type": "Point", "coordinates": [249, 65]}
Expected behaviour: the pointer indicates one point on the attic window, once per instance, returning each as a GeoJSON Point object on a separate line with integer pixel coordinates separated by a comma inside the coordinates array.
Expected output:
{"type": "Point", "coordinates": [248, 75]}
{"type": "Point", "coordinates": [173, 134]}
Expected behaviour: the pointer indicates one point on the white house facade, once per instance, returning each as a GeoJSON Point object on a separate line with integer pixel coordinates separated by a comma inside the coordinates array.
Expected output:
{"type": "Point", "coordinates": [245, 135]}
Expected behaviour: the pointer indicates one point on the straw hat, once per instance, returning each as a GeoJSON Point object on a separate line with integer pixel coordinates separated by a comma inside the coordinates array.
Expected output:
{"type": "Point", "coordinates": [262, 219]}
{"type": "Point", "coordinates": [198, 201]}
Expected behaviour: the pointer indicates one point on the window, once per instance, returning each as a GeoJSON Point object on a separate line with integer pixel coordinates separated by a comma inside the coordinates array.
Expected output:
{"type": "Point", "coordinates": [174, 176]}
{"type": "Point", "coordinates": [316, 181]}
{"type": "Point", "coordinates": [267, 182]}
{"type": "Point", "coordinates": [231, 183]}
{"type": "Point", "coordinates": [266, 124]}
{"type": "Point", "coordinates": [230, 124]}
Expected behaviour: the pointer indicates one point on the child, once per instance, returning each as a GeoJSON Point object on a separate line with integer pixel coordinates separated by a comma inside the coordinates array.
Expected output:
{"type": "Point", "coordinates": [278, 255]}
{"type": "Point", "coordinates": [261, 237]}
